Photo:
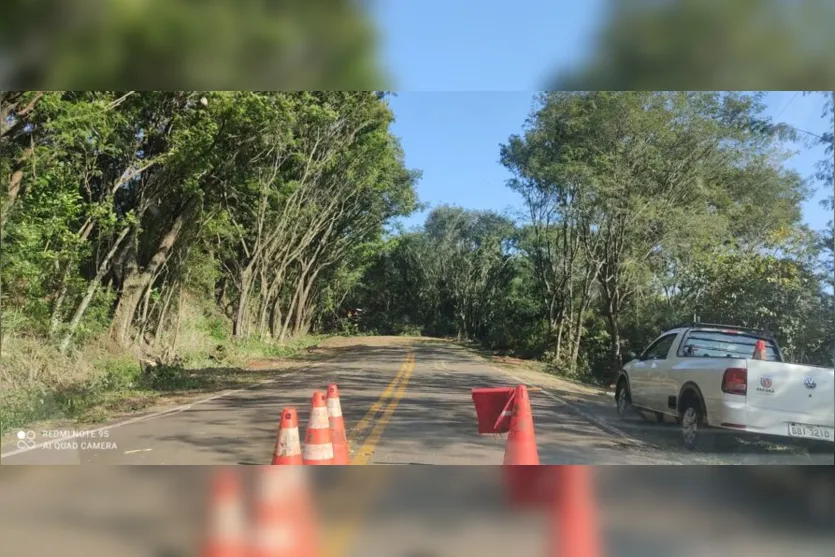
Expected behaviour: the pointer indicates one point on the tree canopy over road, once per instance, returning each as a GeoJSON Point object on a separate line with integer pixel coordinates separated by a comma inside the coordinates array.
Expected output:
{"type": "Point", "coordinates": [132, 221]}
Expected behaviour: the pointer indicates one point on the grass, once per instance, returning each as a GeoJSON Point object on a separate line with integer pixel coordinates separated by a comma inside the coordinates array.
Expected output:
{"type": "Point", "coordinates": [94, 382]}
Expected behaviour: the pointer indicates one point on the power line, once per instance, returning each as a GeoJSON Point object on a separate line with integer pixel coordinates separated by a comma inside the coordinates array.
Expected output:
{"type": "Point", "coordinates": [787, 104]}
{"type": "Point", "coordinates": [804, 131]}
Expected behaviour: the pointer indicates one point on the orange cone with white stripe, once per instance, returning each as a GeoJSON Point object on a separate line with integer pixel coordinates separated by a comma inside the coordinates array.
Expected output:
{"type": "Point", "coordinates": [288, 448]}
{"type": "Point", "coordinates": [318, 448]}
{"type": "Point", "coordinates": [341, 453]}
{"type": "Point", "coordinates": [284, 522]}
{"type": "Point", "coordinates": [521, 442]}
{"type": "Point", "coordinates": [226, 529]}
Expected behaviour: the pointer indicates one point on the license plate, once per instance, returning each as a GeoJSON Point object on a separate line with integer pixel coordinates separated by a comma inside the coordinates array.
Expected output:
{"type": "Point", "coordinates": [811, 432]}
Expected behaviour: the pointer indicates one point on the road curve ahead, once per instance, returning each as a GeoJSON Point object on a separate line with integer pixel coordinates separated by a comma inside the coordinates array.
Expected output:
{"type": "Point", "coordinates": [405, 401]}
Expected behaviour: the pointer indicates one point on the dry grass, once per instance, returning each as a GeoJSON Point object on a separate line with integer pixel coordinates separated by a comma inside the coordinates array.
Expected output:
{"type": "Point", "coordinates": [100, 379]}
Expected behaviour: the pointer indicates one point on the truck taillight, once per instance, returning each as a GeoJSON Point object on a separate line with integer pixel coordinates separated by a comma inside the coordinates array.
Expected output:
{"type": "Point", "coordinates": [735, 381]}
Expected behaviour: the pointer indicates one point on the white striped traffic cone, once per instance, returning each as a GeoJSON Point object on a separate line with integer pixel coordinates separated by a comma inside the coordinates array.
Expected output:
{"type": "Point", "coordinates": [226, 533]}
{"type": "Point", "coordinates": [341, 454]}
{"type": "Point", "coordinates": [284, 521]}
{"type": "Point", "coordinates": [318, 448]}
{"type": "Point", "coordinates": [288, 449]}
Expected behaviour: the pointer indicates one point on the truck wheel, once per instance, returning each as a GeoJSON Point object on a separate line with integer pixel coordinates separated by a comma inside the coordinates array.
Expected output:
{"type": "Point", "coordinates": [623, 398]}
{"type": "Point", "coordinates": [693, 430]}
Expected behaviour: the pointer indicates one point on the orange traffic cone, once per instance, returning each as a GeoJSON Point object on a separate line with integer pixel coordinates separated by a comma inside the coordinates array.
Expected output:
{"type": "Point", "coordinates": [521, 442]}
{"type": "Point", "coordinates": [318, 448]}
{"type": "Point", "coordinates": [759, 350]}
{"type": "Point", "coordinates": [288, 448]}
{"type": "Point", "coordinates": [575, 529]}
{"type": "Point", "coordinates": [284, 522]}
{"type": "Point", "coordinates": [226, 535]}
{"type": "Point", "coordinates": [341, 454]}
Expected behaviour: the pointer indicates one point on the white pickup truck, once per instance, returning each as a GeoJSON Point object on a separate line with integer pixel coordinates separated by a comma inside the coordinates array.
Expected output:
{"type": "Point", "coordinates": [716, 376]}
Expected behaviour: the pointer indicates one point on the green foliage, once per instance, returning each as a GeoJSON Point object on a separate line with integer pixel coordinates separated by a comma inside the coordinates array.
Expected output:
{"type": "Point", "coordinates": [204, 229]}
{"type": "Point", "coordinates": [645, 209]}
{"type": "Point", "coordinates": [195, 228]}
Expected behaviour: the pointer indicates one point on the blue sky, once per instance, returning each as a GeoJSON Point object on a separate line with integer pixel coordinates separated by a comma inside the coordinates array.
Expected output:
{"type": "Point", "coordinates": [483, 45]}
{"type": "Point", "coordinates": [465, 88]}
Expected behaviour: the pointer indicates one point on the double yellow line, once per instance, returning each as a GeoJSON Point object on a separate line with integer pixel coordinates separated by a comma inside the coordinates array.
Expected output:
{"type": "Point", "coordinates": [394, 392]}
{"type": "Point", "coordinates": [343, 537]}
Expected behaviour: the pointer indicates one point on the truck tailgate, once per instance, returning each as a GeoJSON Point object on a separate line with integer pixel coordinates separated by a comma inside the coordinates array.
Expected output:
{"type": "Point", "coordinates": [793, 390]}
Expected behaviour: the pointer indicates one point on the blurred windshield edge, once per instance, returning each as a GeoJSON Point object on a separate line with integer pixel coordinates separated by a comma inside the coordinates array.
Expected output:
{"type": "Point", "coordinates": [698, 44]}
{"type": "Point", "coordinates": [173, 44]}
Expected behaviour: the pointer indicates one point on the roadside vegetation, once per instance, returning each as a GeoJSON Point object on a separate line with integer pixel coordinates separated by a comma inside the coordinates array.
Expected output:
{"type": "Point", "coordinates": [155, 243]}
{"type": "Point", "coordinates": [640, 211]}
{"type": "Point", "coordinates": [148, 232]}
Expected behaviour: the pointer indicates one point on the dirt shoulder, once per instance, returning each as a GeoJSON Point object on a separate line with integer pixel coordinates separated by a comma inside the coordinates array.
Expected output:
{"type": "Point", "coordinates": [191, 385]}
{"type": "Point", "coordinates": [536, 373]}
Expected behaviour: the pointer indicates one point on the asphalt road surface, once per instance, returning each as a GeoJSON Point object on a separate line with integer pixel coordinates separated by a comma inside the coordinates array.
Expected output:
{"type": "Point", "coordinates": [404, 402]}
{"type": "Point", "coordinates": [417, 511]}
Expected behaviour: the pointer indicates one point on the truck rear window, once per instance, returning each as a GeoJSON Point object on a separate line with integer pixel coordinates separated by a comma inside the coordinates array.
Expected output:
{"type": "Point", "coordinates": [721, 344]}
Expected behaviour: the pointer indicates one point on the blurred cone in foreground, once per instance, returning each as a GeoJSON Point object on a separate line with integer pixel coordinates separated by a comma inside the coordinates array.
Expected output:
{"type": "Point", "coordinates": [574, 518]}
{"type": "Point", "coordinates": [284, 521]}
{"type": "Point", "coordinates": [341, 454]}
{"type": "Point", "coordinates": [521, 442]}
{"type": "Point", "coordinates": [759, 350]}
{"type": "Point", "coordinates": [318, 448]}
{"type": "Point", "coordinates": [288, 449]}
{"type": "Point", "coordinates": [226, 528]}
{"type": "Point", "coordinates": [529, 487]}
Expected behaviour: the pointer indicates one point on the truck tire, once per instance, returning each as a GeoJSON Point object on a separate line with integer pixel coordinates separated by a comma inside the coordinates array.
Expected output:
{"type": "Point", "coordinates": [694, 431]}
{"type": "Point", "coordinates": [623, 398]}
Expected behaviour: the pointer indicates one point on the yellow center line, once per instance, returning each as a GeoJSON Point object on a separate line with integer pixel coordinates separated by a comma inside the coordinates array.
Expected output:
{"type": "Point", "coordinates": [344, 536]}
{"type": "Point", "coordinates": [367, 450]}
{"type": "Point", "coordinates": [377, 407]}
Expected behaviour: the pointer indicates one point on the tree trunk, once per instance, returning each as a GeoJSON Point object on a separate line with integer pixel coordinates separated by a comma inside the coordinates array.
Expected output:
{"type": "Point", "coordinates": [239, 323]}
{"type": "Point", "coordinates": [91, 290]}
{"type": "Point", "coordinates": [275, 303]}
{"type": "Point", "coordinates": [307, 320]}
{"type": "Point", "coordinates": [275, 318]}
{"type": "Point", "coordinates": [615, 349]}
{"type": "Point", "coordinates": [135, 284]}
{"type": "Point", "coordinates": [177, 323]}
{"type": "Point", "coordinates": [146, 304]}
{"type": "Point", "coordinates": [558, 344]}
{"type": "Point", "coordinates": [14, 187]}
{"type": "Point", "coordinates": [263, 313]}
{"type": "Point", "coordinates": [162, 313]}
{"type": "Point", "coordinates": [585, 300]}
{"type": "Point", "coordinates": [299, 316]}
{"type": "Point", "coordinates": [304, 305]}
{"type": "Point", "coordinates": [577, 335]}
{"type": "Point", "coordinates": [55, 321]}
{"type": "Point", "coordinates": [291, 309]}
{"type": "Point", "coordinates": [220, 291]}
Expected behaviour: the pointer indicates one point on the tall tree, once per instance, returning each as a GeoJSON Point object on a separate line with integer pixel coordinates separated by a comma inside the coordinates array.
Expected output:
{"type": "Point", "coordinates": [641, 172]}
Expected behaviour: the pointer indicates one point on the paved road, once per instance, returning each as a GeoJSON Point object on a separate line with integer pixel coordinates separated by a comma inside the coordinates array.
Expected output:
{"type": "Point", "coordinates": [401, 511]}
{"type": "Point", "coordinates": [404, 403]}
